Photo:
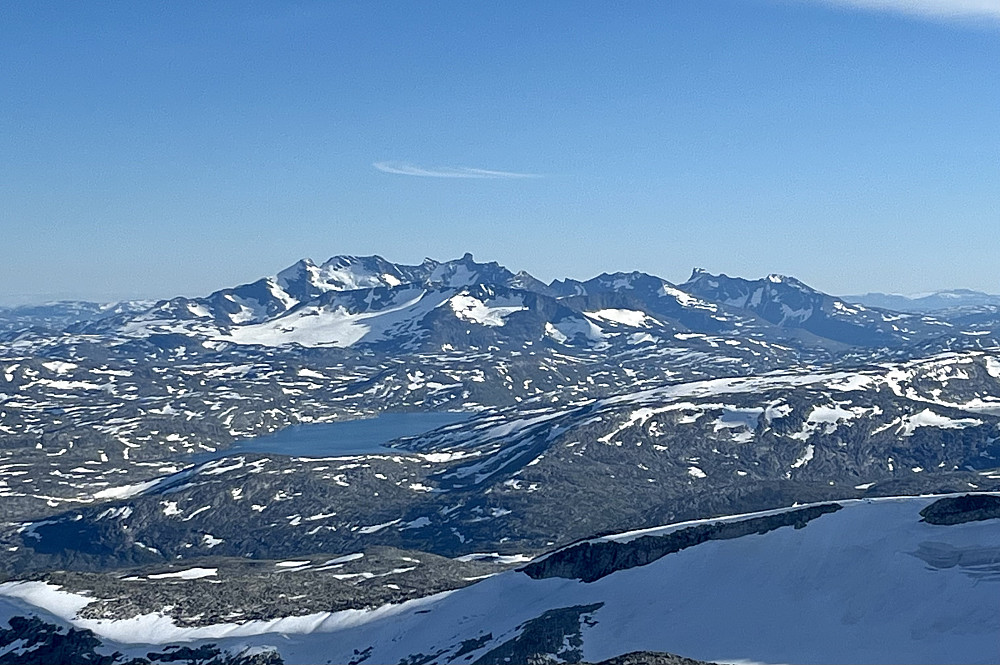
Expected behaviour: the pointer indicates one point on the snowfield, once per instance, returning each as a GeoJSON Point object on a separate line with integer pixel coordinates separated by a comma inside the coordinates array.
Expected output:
{"type": "Point", "coordinates": [323, 326]}
{"type": "Point", "coordinates": [869, 583]}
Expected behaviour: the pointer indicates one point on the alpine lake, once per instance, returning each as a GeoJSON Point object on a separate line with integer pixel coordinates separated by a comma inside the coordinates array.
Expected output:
{"type": "Point", "coordinates": [364, 436]}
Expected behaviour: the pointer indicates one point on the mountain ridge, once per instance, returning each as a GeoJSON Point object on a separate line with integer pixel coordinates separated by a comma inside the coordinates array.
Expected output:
{"type": "Point", "coordinates": [369, 301]}
{"type": "Point", "coordinates": [935, 301]}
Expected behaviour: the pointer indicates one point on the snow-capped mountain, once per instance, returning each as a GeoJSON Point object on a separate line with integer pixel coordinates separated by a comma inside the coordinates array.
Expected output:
{"type": "Point", "coordinates": [788, 303]}
{"type": "Point", "coordinates": [370, 302]}
{"type": "Point", "coordinates": [305, 281]}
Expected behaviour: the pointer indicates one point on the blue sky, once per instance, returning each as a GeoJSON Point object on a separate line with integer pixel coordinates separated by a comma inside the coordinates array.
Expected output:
{"type": "Point", "coordinates": [158, 149]}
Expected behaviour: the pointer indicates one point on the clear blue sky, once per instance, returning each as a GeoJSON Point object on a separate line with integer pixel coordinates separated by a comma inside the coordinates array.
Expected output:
{"type": "Point", "coordinates": [164, 148]}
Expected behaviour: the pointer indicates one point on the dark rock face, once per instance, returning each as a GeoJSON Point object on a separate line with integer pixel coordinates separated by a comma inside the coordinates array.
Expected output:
{"type": "Point", "coordinates": [31, 641]}
{"type": "Point", "coordinates": [650, 658]}
{"type": "Point", "coordinates": [960, 509]}
{"type": "Point", "coordinates": [553, 637]}
{"type": "Point", "coordinates": [241, 589]}
{"type": "Point", "coordinates": [590, 561]}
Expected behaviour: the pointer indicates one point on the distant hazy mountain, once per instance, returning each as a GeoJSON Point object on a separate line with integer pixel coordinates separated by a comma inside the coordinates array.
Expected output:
{"type": "Point", "coordinates": [788, 303]}
{"type": "Point", "coordinates": [926, 302]}
{"type": "Point", "coordinates": [58, 315]}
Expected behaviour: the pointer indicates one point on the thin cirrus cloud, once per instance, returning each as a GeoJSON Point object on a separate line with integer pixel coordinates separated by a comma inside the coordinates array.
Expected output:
{"type": "Point", "coordinates": [941, 9]}
{"type": "Point", "coordinates": [405, 168]}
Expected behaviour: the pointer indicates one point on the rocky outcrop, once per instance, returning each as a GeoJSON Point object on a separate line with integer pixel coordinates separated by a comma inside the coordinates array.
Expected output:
{"type": "Point", "coordinates": [960, 509]}
{"type": "Point", "coordinates": [650, 658]}
{"type": "Point", "coordinates": [32, 641]}
{"type": "Point", "coordinates": [592, 560]}
{"type": "Point", "coordinates": [553, 637]}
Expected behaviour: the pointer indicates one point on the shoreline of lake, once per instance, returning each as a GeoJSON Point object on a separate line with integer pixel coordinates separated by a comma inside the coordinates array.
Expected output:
{"type": "Point", "coordinates": [359, 436]}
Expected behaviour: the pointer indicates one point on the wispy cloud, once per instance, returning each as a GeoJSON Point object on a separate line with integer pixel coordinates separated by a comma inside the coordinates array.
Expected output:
{"type": "Point", "coordinates": [942, 9]}
{"type": "Point", "coordinates": [404, 168]}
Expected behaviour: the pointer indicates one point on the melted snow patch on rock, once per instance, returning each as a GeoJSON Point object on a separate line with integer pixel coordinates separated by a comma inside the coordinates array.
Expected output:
{"type": "Point", "coordinates": [928, 418]}
{"type": "Point", "coordinates": [572, 327]}
{"type": "Point", "coordinates": [626, 317]}
{"type": "Point", "coordinates": [494, 314]}
{"type": "Point", "coordinates": [188, 574]}
{"type": "Point", "coordinates": [805, 458]}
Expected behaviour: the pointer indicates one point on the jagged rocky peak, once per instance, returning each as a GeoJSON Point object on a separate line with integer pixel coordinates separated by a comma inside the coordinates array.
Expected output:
{"type": "Point", "coordinates": [623, 280]}
{"type": "Point", "coordinates": [466, 272]}
{"type": "Point", "coordinates": [703, 274]}
{"type": "Point", "coordinates": [779, 299]}
{"type": "Point", "coordinates": [752, 294]}
{"type": "Point", "coordinates": [789, 303]}
{"type": "Point", "coordinates": [305, 279]}
{"type": "Point", "coordinates": [608, 282]}
{"type": "Point", "coordinates": [298, 271]}
{"type": "Point", "coordinates": [778, 278]}
{"type": "Point", "coordinates": [527, 282]}
{"type": "Point", "coordinates": [705, 279]}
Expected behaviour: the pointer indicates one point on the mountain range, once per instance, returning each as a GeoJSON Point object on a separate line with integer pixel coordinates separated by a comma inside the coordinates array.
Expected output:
{"type": "Point", "coordinates": [623, 402]}
{"type": "Point", "coordinates": [369, 302]}
{"type": "Point", "coordinates": [928, 302]}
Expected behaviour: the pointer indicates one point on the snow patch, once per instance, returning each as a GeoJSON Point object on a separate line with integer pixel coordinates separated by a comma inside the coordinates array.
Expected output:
{"type": "Point", "coordinates": [805, 458]}
{"type": "Point", "coordinates": [572, 327]}
{"type": "Point", "coordinates": [125, 491]}
{"type": "Point", "coordinates": [928, 418]}
{"type": "Point", "coordinates": [626, 317]}
{"type": "Point", "coordinates": [375, 528]}
{"type": "Point", "coordinates": [188, 574]}
{"type": "Point", "coordinates": [494, 315]}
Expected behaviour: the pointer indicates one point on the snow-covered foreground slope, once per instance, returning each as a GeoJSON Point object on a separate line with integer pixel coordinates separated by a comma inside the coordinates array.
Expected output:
{"type": "Point", "coordinates": [869, 583]}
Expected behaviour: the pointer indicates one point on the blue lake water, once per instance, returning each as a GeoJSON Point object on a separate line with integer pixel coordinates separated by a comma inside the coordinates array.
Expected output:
{"type": "Point", "coordinates": [350, 437]}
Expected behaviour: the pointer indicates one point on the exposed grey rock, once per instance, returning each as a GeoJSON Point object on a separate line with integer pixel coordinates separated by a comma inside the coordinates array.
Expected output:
{"type": "Point", "coordinates": [32, 641]}
{"type": "Point", "coordinates": [553, 637]}
{"type": "Point", "coordinates": [650, 658]}
{"type": "Point", "coordinates": [960, 509]}
{"type": "Point", "coordinates": [240, 590]}
{"type": "Point", "coordinates": [590, 561]}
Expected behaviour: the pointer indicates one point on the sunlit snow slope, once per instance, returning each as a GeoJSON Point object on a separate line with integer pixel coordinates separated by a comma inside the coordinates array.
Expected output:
{"type": "Point", "coordinates": [868, 583]}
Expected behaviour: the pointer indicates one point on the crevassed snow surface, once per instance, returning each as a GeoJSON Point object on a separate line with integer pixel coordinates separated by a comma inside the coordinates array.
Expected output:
{"type": "Point", "coordinates": [870, 583]}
